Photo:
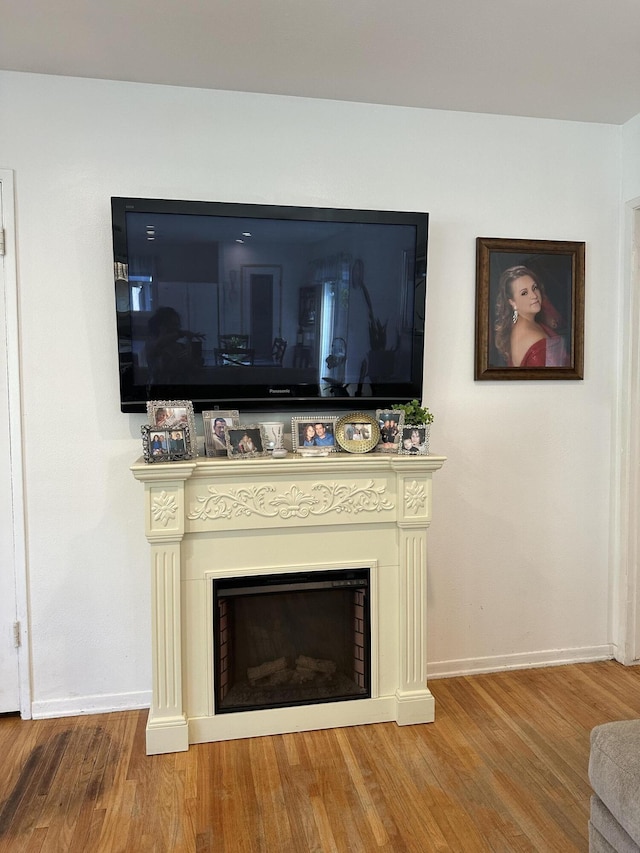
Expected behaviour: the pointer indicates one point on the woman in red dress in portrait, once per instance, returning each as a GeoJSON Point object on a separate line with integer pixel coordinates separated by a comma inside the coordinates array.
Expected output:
{"type": "Point", "coordinates": [526, 322]}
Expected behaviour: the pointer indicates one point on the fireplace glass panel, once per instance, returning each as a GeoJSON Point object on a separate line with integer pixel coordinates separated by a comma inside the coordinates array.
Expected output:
{"type": "Point", "coordinates": [291, 639]}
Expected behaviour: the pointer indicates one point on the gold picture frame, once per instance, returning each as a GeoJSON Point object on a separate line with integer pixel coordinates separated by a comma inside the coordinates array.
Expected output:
{"type": "Point", "coordinates": [357, 432]}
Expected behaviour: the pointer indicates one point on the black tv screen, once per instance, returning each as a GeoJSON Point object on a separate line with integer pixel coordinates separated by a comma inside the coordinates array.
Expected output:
{"type": "Point", "coordinates": [268, 307]}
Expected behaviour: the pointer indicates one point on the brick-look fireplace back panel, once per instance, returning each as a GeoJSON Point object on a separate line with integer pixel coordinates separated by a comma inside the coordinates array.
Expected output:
{"type": "Point", "coordinates": [215, 519]}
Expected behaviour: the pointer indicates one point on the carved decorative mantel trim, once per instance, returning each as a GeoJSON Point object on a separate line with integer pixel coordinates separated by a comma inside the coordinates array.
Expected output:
{"type": "Point", "coordinates": [415, 498]}
{"type": "Point", "coordinates": [292, 503]}
{"type": "Point", "coordinates": [164, 508]}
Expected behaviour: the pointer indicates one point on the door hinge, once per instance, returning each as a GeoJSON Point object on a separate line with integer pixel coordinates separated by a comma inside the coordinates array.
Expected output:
{"type": "Point", "coordinates": [1, 241]}
{"type": "Point", "coordinates": [16, 634]}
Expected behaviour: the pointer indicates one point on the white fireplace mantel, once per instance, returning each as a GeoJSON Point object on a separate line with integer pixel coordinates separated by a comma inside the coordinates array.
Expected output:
{"type": "Point", "coordinates": [213, 518]}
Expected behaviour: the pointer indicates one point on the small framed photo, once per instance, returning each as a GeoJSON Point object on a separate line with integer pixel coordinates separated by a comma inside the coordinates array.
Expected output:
{"type": "Point", "coordinates": [414, 440]}
{"type": "Point", "coordinates": [390, 423]}
{"type": "Point", "coordinates": [214, 422]}
{"type": "Point", "coordinates": [245, 442]}
{"type": "Point", "coordinates": [529, 309]}
{"type": "Point", "coordinates": [166, 445]}
{"type": "Point", "coordinates": [313, 434]}
{"type": "Point", "coordinates": [357, 432]}
{"type": "Point", "coordinates": [168, 414]}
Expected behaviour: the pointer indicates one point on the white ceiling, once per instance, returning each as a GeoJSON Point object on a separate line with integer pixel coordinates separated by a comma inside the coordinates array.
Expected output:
{"type": "Point", "coordinates": [566, 59]}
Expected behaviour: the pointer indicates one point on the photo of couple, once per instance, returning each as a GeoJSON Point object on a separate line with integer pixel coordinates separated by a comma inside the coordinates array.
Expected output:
{"type": "Point", "coordinates": [316, 434]}
{"type": "Point", "coordinates": [357, 432]}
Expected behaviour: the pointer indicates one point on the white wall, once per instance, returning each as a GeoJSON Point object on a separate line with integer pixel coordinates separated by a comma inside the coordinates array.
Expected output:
{"type": "Point", "coordinates": [519, 566]}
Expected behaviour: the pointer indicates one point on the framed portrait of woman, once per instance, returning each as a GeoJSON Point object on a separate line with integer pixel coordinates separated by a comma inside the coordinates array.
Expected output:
{"type": "Point", "coordinates": [529, 309]}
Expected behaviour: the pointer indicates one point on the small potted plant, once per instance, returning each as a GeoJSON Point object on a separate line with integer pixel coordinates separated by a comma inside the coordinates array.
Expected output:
{"type": "Point", "coordinates": [416, 415]}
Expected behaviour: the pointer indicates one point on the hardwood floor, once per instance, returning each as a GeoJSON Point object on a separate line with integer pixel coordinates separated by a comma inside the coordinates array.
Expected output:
{"type": "Point", "coordinates": [503, 768]}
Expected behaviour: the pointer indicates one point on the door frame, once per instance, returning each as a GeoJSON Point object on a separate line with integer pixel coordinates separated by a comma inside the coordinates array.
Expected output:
{"type": "Point", "coordinates": [14, 403]}
{"type": "Point", "coordinates": [626, 461]}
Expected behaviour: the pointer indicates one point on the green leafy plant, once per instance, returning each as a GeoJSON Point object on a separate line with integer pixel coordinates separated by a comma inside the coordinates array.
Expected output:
{"type": "Point", "coordinates": [414, 412]}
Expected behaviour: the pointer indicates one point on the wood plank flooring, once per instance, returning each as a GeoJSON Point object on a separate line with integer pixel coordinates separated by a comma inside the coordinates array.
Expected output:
{"type": "Point", "coordinates": [503, 768]}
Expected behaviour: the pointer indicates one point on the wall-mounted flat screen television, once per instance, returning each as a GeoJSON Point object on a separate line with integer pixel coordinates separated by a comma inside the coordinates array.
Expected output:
{"type": "Point", "coordinates": [268, 307]}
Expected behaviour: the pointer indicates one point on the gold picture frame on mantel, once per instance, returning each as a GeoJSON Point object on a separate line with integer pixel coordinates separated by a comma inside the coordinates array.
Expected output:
{"type": "Point", "coordinates": [357, 432]}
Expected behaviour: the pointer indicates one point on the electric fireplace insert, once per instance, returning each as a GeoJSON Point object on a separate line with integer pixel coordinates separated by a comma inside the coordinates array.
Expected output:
{"type": "Point", "coordinates": [291, 639]}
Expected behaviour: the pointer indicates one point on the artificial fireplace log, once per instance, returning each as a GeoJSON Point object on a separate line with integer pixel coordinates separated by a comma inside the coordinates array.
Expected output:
{"type": "Point", "coordinates": [255, 673]}
{"type": "Point", "coordinates": [301, 675]}
{"type": "Point", "coordinates": [328, 667]}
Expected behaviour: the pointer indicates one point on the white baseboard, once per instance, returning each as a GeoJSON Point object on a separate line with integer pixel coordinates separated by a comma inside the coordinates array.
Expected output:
{"type": "Point", "coordinates": [528, 660]}
{"type": "Point", "coordinates": [99, 704]}
{"type": "Point", "coordinates": [102, 704]}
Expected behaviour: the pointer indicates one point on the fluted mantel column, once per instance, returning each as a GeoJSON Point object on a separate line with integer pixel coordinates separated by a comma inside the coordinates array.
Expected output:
{"type": "Point", "coordinates": [167, 726]}
{"type": "Point", "coordinates": [415, 701]}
